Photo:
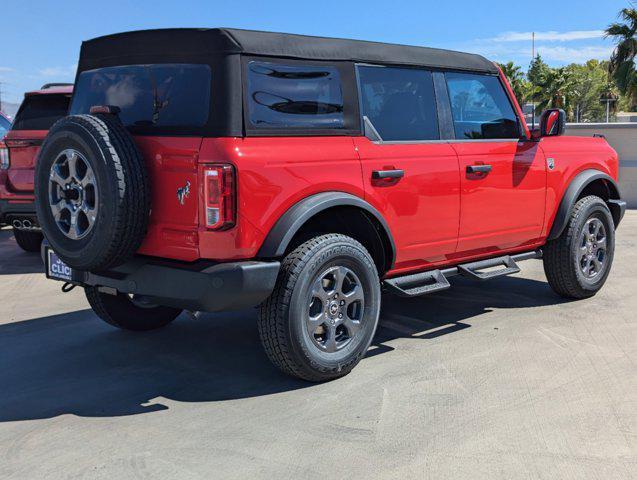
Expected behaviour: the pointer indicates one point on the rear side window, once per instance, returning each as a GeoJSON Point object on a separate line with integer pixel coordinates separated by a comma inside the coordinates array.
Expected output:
{"type": "Point", "coordinates": [294, 96]}
{"type": "Point", "coordinates": [40, 112]}
{"type": "Point", "coordinates": [149, 96]}
{"type": "Point", "coordinates": [399, 102]}
{"type": "Point", "coordinates": [480, 107]}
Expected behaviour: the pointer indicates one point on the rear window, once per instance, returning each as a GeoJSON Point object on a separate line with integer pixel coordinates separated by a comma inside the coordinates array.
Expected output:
{"type": "Point", "coordinates": [294, 96]}
{"type": "Point", "coordinates": [149, 96]}
{"type": "Point", "coordinates": [40, 112]}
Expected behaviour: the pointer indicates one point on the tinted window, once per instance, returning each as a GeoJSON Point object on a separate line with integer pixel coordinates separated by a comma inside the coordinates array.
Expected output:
{"type": "Point", "coordinates": [399, 102]}
{"type": "Point", "coordinates": [294, 96]}
{"type": "Point", "coordinates": [166, 95]}
{"type": "Point", "coordinates": [480, 107]}
{"type": "Point", "coordinates": [40, 112]}
{"type": "Point", "coordinates": [4, 126]}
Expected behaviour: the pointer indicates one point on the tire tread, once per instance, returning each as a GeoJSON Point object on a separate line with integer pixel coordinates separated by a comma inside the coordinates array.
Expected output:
{"type": "Point", "coordinates": [273, 311]}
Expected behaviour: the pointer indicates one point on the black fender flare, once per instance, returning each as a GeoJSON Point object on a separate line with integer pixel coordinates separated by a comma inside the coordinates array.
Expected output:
{"type": "Point", "coordinates": [281, 234]}
{"type": "Point", "coordinates": [573, 192]}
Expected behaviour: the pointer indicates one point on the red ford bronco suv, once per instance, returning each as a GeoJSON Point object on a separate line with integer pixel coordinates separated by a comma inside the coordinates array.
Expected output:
{"type": "Point", "coordinates": [39, 110]}
{"type": "Point", "coordinates": [216, 169]}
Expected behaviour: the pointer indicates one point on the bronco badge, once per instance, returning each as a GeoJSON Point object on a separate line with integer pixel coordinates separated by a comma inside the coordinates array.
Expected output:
{"type": "Point", "coordinates": [183, 193]}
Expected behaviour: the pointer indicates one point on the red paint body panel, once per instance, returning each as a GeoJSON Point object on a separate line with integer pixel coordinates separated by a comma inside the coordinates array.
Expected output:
{"type": "Point", "coordinates": [437, 216]}
{"type": "Point", "coordinates": [272, 175]}
{"type": "Point", "coordinates": [503, 208]}
{"type": "Point", "coordinates": [573, 155]}
{"type": "Point", "coordinates": [422, 209]}
{"type": "Point", "coordinates": [24, 146]}
{"type": "Point", "coordinates": [173, 228]}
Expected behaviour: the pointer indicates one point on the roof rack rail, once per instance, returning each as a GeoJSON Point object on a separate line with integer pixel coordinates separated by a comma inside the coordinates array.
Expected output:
{"type": "Point", "coordinates": [52, 85]}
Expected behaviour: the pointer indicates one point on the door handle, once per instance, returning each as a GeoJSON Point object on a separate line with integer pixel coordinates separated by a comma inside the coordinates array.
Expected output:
{"type": "Point", "coordinates": [384, 174]}
{"type": "Point", "coordinates": [472, 169]}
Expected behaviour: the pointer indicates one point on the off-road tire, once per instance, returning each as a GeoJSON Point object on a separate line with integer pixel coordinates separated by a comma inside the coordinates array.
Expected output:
{"type": "Point", "coordinates": [28, 241]}
{"type": "Point", "coordinates": [281, 323]}
{"type": "Point", "coordinates": [561, 259]}
{"type": "Point", "coordinates": [120, 311]}
{"type": "Point", "coordinates": [123, 191]}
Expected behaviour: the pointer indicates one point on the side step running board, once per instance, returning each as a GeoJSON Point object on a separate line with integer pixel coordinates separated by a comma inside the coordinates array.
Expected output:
{"type": "Point", "coordinates": [417, 284]}
{"type": "Point", "coordinates": [473, 269]}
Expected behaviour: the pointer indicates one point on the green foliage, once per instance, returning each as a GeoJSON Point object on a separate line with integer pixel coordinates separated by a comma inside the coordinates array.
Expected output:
{"type": "Point", "coordinates": [579, 89]}
{"type": "Point", "coordinates": [622, 61]}
{"type": "Point", "coordinates": [520, 85]}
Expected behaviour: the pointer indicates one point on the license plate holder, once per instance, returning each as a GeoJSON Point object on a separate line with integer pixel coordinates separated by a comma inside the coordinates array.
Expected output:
{"type": "Point", "coordinates": [56, 269]}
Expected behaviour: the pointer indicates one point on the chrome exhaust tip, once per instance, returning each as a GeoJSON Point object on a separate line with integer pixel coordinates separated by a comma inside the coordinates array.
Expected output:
{"type": "Point", "coordinates": [17, 224]}
{"type": "Point", "coordinates": [27, 224]}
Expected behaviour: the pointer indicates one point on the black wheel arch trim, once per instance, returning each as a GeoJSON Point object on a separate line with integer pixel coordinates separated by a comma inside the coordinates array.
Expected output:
{"type": "Point", "coordinates": [575, 188]}
{"type": "Point", "coordinates": [283, 231]}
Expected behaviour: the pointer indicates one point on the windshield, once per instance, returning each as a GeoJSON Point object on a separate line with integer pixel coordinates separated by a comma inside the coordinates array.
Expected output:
{"type": "Point", "coordinates": [166, 95]}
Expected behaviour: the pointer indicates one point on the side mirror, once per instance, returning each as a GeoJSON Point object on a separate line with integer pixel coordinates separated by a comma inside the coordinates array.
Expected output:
{"type": "Point", "coordinates": [552, 122]}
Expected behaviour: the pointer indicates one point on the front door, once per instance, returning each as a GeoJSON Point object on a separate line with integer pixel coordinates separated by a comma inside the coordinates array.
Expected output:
{"type": "Point", "coordinates": [503, 179]}
{"type": "Point", "coordinates": [409, 174]}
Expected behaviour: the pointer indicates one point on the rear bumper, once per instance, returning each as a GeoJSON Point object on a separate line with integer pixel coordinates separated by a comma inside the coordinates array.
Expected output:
{"type": "Point", "coordinates": [211, 288]}
{"type": "Point", "coordinates": [9, 209]}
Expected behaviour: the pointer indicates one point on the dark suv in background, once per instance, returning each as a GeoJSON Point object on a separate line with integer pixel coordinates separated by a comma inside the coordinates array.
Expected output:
{"type": "Point", "coordinates": [38, 112]}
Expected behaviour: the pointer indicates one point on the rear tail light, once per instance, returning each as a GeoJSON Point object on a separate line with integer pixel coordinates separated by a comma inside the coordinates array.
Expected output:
{"type": "Point", "coordinates": [220, 196]}
{"type": "Point", "coordinates": [5, 163]}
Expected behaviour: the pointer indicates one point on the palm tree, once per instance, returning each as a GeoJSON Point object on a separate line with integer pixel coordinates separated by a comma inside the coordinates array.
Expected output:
{"type": "Point", "coordinates": [622, 62]}
{"type": "Point", "coordinates": [517, 80]}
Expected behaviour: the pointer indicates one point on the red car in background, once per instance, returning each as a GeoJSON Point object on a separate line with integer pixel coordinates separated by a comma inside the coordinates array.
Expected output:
{"type": "Point", "coordinates": [5, 125]}
{"type": "Point", "coordinates": [38, 112]}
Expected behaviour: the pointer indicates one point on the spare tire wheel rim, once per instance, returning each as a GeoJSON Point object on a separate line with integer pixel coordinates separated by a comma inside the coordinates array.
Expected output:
{"type": "Point", "coordinates": [336, 305]}
{"type": "Point", "coordinates": [73, 194]}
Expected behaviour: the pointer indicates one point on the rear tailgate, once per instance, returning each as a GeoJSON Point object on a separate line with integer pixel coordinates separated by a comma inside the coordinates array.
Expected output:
{"type": "Point", "coordinates": [172, 168]}
{"type": "Point", "coordinates": [36, 115]}
{"type": "Point", "coordinates": [23, 146]}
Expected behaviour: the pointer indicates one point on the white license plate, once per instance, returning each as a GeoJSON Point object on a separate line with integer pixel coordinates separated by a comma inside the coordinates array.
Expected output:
{"type": "Point", "coordinates": [56, 268]}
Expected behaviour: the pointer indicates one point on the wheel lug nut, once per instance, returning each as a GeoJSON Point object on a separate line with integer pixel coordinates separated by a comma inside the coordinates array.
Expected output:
{"type": "Point", "coordinates": [342, 302]}
{"type": "Point", "coordinates": [340, 315]}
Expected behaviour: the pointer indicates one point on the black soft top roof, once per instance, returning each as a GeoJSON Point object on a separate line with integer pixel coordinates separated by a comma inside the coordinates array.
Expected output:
{"type": "Point", "coordinates": [199, 44]}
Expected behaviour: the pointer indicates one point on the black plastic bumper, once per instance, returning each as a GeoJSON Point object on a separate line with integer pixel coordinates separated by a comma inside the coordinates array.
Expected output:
{"type": "Point", "coordinates": [12, 209]}
{"type": "Point", "coordinates": [218, 287]}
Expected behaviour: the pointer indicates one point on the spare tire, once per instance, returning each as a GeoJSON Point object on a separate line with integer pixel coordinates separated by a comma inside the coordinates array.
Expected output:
{"type": "Point", "coordinates": [92, 193]}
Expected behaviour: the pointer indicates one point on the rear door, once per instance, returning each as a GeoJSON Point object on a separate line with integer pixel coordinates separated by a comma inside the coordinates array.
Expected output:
{"type": "Point", "coordinates": [503, 178]}
{"type": "Point", "coordinates": [409, 174]}
{"type": "Point", "coordinates": [36, 115]}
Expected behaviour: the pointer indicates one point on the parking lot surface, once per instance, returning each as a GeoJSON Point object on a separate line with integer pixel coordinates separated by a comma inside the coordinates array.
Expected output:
{"type": "Point", "coordinates": [501, 379]}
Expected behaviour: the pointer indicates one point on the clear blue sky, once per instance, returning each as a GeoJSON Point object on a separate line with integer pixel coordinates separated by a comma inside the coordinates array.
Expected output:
{"type": "Point", "coordinates": [41, 38]}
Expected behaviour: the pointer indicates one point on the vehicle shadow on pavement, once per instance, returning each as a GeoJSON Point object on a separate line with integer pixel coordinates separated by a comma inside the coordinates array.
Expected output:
{"type": "Point", "coordinates": [76, 364]}
{"type": "Point", "coordinates": [15, 261]}
{"type": "Point", "coordinates": [446, 312]}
